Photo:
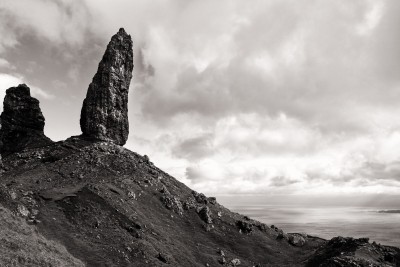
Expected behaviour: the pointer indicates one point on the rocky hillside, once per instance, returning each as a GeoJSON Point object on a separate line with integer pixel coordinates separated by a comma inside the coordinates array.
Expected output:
{"type": "Point", "coordinates": [89, 201]}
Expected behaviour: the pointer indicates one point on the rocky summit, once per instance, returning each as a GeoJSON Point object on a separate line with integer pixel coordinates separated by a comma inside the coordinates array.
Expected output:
{"type": "Point", "coordinates": [22, 121]}
{"type": "Point", "coordinates": [87, 201]}
{"type": "Point", "coordinates": [104, 114]}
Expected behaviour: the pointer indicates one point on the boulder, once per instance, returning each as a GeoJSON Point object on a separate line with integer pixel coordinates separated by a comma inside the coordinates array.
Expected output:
{"type": "Point", "coordinates": [205, 214]}
{"type": "Point", "coordinates": [244, 227]}
{"type": "Point", "coordinates": [296, 240]}
{"type": "Point", "coordinates": [282, 235]}
{"type": "Point", "coordinates": [235, 262]}
{"type": "Point", "coordinates": [22, 121]}
{"type": "Point", "coordinates": [170, 201]}
{"type": "Point", "coordinates": [104, 114]}
{"type": "Point", "coordinates": [200, 197]}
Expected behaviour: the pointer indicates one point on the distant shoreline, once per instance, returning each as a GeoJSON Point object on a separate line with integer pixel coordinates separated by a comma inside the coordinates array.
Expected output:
{"type": "Point", "coordinates": [388, 211]}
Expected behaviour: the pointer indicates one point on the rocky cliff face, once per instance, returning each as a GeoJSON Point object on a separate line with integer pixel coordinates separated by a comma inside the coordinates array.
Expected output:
{"type": "Point", "coordinates": [104, 114]}
{"type": "Point", "coordinates": [22, 121]}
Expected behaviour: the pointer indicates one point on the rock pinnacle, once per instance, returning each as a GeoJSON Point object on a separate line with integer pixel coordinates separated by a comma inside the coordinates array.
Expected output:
{"type": "Point", "coordinates": [104, 114]}
{"type": "Point", "coordinates": [22, 121]}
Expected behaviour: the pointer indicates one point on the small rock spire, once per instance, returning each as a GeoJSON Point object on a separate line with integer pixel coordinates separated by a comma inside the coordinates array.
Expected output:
{"type": "Point", "coordinates": [104, 114]}
{"type": "Point", "coordinates": [22, 121]}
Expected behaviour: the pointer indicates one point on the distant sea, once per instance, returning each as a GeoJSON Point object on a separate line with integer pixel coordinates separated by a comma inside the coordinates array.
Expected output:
{"type": "Point", "coordinates": [325, 221]}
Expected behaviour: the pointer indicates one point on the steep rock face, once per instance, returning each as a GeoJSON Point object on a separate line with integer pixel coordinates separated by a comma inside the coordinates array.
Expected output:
{"type": "Point", "coordinates": [104, 114]}
{"type": "Point", "coordinates": [22, 121]}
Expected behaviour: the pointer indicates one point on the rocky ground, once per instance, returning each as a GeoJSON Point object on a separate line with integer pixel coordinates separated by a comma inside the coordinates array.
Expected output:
{"type": "Point", "coordinates": [112, 207]}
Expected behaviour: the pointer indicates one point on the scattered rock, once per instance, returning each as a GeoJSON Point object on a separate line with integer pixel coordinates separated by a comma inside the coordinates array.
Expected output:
{"type": "Point", "coordinates": [171, 202]}
{"type": "Point", "coordinates": [208, 227]}
{"type": "Point", "coordinates": [235, 262]}
{"type": "Point", "coordinates": [221, 252]}
{"type": "Point", "coordinates": [104, 114]}
{"type": "Point", "coordinates": [13, 195]}
{"type": "Point", "coordinates": [23, 210]}
{"type": "Point", "coordinates": [22, 121]}
{"type": "Point", "coordinates": [132, 194]}
{"type": "Point", "coordinates": [190, 203]}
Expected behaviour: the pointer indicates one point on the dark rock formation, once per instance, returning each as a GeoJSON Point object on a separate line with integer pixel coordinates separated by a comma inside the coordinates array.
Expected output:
{"type": "Point", "coordinates": [205, 214]}
{"type": "Point", "coordinates": [104, 114]}
{"type": "Point", "coordinates": [200, 198]}
{"type": "Point", "coordinates": [244, 227]}
{"type": "Point", "coordinates": [22, 121]}
{"type": "Point", "coordinates": [170, 201]}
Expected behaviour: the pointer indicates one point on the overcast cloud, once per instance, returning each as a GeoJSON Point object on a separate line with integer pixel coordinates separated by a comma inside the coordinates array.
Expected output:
{"type": "Point", "coordinates": [282, 96]}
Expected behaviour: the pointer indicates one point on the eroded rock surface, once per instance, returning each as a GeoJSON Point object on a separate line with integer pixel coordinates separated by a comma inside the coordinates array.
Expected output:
{"type": "Point", "coordinates": [104, 114]}
{"type": "Point", "coordinates": [22, 121]}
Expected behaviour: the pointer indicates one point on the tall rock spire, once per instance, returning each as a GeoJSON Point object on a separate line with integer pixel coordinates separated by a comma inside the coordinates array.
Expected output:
{"type": "Point", "coordinates": [22, 121]}
{"type": "Point", "coordinates": [104, 114]}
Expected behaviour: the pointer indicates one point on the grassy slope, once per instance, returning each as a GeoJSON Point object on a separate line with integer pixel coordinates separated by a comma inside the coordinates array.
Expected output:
{"type": "Point", "coordinates": [112, 207]}
{"type": "Point", "coordinates": [104, 203]}
{"type": "Point", "coordinates": [22, 245]}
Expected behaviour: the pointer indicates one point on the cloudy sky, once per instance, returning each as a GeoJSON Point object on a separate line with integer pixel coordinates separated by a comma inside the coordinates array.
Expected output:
{"type": "Point", "coordinates": [269, 97]}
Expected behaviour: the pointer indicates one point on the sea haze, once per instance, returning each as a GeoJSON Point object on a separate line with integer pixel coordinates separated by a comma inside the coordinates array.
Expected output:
{"type": "Point", "coordinates": [375, 217]}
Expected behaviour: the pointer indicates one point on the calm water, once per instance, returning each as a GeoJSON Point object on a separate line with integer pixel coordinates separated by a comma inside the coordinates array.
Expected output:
{"type": "Point", "coordinates": [328, 221]}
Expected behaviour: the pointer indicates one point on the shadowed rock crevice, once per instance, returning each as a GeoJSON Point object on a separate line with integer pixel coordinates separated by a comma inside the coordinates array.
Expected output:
{"type": "Point", "coordinates": [104, 114]}
{"type": "Point", "coordinates": [22, 121]}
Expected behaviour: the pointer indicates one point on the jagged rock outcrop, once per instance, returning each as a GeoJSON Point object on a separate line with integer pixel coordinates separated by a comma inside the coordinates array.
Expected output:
{"type": "Point", "coordinates": [104, 114]}
{"type": "Point", "coordinates": [348, 251]}
{"type": "Point", "coordinates": [22, 121]}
